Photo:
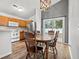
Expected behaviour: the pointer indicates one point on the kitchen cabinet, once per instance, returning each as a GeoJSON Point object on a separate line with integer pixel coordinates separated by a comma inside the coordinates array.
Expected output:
{"type": "Point", "coordinates": [22, 35]}
{"type": "Point", "coordinates": [3, 21]}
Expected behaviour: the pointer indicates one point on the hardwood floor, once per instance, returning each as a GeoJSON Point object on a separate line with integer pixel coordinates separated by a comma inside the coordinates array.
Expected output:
{"type": "Point", "coordinates": [19, 51]}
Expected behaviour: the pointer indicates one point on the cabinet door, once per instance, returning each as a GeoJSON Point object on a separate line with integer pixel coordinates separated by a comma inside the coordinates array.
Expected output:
{"type": "Point", "coordinates": [21, 35]}
{"type": "Point", "coordinates": [23, 24]}
{"type": "Point", "coordinates": [3, 20]}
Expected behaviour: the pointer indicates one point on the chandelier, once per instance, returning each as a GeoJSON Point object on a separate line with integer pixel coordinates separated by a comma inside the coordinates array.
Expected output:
{"type": "Point", "coordinates": [45, 4]}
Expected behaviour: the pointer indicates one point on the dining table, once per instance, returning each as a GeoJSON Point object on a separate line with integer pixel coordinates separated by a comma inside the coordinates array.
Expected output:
{"type": "Point", "coordinates": [46, 40]}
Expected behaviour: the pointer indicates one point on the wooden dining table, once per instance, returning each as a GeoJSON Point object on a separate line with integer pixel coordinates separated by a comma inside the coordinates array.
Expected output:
{"type": "Point", "coordinates": [44, 39]}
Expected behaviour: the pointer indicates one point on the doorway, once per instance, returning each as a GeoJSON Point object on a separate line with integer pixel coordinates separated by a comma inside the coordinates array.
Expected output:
{"type": "Point", "coordinates": [55, 24]}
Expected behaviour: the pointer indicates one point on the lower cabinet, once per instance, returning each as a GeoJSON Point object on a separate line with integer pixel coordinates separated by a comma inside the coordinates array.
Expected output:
{"type": "Point", "coordinates": [21, 35]}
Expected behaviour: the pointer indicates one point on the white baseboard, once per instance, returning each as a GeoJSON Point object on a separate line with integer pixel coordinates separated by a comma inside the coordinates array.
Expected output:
{"type": "Point", "coordinates": [70, 52]}
{"type": "Point", "coordinates": [6, 54]}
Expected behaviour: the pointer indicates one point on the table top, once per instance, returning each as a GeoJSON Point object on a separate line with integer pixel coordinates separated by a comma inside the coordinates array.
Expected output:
{"type": "Point", "coordinates": [43, 39]}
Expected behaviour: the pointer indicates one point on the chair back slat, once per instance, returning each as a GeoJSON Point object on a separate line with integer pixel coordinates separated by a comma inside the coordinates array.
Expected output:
{"type": "Point", "coordinates": [29, 40]}
{"type": "Point", "coordinates": [51, 32]}
{"type": "Point", "coordinates": [55, 38]}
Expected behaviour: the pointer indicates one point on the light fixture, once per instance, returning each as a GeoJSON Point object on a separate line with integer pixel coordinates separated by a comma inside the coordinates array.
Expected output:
{"type": "Point", "coordinates": [19, 8]}
{"type": "Point", "coordinates": [45, 4]}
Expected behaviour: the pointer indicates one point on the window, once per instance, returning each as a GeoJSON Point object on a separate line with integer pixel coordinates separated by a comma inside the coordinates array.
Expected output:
{"type": "Point", "coordinates": [58, 24]}
{"type": "Point", "coordinates": [53, 24]}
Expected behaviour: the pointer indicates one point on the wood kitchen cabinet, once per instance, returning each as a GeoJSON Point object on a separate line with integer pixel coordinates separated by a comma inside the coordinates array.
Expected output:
{"type": "Point", "coordinates": [22, 35]}
{"type": "Point", "coordinates": [22, 23]}
{"type": "Point", "coordinates": [4, 21]}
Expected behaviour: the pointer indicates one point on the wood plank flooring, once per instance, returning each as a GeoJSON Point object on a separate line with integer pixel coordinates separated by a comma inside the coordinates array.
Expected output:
{"type": "Point", "coordinates": [19, 51]}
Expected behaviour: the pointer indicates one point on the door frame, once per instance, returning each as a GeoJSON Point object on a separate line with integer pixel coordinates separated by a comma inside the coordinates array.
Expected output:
{"type": "Point", "coordinates": [57, 18]}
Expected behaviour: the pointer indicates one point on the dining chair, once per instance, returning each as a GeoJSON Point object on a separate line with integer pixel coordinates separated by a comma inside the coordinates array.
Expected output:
{"type": "Point", "coordinates": [32, 47]}
{"type": "Point", "coordinates": [51, 32]}
{"type": "Point", "coordinates": [53, 42]}
{"type": "Point", "coordinates": [38, 32]}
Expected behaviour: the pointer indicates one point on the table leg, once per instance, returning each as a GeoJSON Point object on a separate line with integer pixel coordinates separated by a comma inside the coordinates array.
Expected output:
{"type": "Point", "coordinates": [46, 50]}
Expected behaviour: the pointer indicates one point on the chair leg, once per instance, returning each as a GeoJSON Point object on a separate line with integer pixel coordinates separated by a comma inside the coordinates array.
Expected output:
{"type": "Point", "coordinates": [53, 50]}
{"type": "Point", "coordinates": [35, 55]}
{"type": "Point", "coordinates": [56, 50]}
{"type": "Point", "coordinates": [43, 54]}
{"type": "Point", "coordinates": [27, 56]}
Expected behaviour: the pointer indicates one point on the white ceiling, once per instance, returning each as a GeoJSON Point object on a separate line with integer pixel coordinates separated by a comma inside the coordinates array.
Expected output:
{"type": "Point", "coordinates": [28, 5]}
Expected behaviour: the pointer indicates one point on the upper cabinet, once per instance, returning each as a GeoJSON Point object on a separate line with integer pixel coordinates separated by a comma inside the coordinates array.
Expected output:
{"type": "Point", "coordinates": [6, 21]}
{"type": "Point", "coordinates": [21, 23]}
{"type": "Point", "coordinates": [3, 21]}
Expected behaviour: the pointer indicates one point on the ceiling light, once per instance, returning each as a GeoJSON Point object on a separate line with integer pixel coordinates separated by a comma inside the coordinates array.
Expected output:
{"type": "Point", "coordinates": [20, 9]}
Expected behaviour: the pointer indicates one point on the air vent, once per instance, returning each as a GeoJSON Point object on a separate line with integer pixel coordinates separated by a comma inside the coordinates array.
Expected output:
{"type": "Point", "coordinates": [18, 7]}
{"type": "Point", "coordinates": [15, 5]}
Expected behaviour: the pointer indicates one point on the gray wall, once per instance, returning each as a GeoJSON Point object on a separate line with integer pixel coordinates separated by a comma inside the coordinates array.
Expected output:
{"type": "Point", "coordinates": [60, 9]}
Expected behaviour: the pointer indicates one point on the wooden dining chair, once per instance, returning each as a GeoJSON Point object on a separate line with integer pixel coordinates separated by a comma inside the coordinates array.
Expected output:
{"type": "Point", "coordinates": [38, 32]}
{"type": "Point", "coordinates": [51, 32]}
{"type": "Point", "coordinates": [53, 42]}
{"type": "Point", "coordinates": [31, 46]}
